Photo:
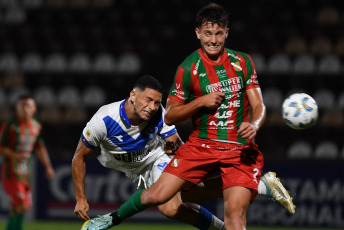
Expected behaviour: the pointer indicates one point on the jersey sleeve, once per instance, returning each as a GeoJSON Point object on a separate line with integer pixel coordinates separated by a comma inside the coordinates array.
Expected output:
{"type": "Point", "coordinates": [180, 90]}
{"type": "Point", "coordinates": [39, 142]}
{"type": "Point", "coordinates": [166, 130]}
{"type": "Point", "coordinates": [251, 76]}
{"type": "Point", "coordinates": [4, 133]}
{"type": "Point", "coordinates": [94, 132]}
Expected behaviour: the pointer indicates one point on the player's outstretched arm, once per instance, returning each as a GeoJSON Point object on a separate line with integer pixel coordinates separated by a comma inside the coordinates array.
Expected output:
{"type": "Point", "coordinates": [78, 172]}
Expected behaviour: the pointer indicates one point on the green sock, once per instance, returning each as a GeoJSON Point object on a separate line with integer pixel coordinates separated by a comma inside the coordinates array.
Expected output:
{"type": "Point", "coordinates": [132, 206]}
{"type": "Point", "coordinates": [15, 222]}
{"type": "Point", "coordinates": [10, 223]}
{"type": "Point", "coordinates": [19, 221]}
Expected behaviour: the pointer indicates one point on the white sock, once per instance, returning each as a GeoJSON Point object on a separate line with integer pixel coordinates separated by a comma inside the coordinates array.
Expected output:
{"type": "Point", "coordinates": [262, 188]}
{"type": "Point", "coordinates": [216, 224]}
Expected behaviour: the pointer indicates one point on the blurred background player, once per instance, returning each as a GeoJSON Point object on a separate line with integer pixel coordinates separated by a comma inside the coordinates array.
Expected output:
{"type": "Point", "coordinates": [19, 137]}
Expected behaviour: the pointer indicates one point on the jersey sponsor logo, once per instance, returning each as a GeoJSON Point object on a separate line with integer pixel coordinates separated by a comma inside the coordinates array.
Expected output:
{"type": "Point", "coordinates": [162, 165]}
{"type": "Point", "coordinates": [229, 97]}
{"type": "Point", "coordinates": [224, 114]}
{"type": "Point", "coordinates": [234, 104]}
{"type": "Point", "coordinates": [136, 156]}
{"type": "Point", "coordinates": [179, 93]}
{"type": "Point", "coordinates": [221, 125]}
{"type": "Point", "coordinates": [175, 163]}
{"type": "Point", "coordinates": [223, 106]}
{"type": "Point", "coordinates": [202, 74]}
{"type": "Point", "coordinates": [252, 79]}
{"type": "Point", "coordinates": [221, 73]}
{"type": "Point", "coordinates": [226, 86]}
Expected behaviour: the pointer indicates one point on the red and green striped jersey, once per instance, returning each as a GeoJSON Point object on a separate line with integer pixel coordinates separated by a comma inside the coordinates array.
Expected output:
{"type": "Point", "coordinates": [20, 137]}
{"type": "Point", "coordinates": [232, 75]}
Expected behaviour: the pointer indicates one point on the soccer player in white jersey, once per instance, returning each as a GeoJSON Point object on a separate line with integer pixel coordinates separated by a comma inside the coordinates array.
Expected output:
{"type": "Point", "coordinates": [132, 135]}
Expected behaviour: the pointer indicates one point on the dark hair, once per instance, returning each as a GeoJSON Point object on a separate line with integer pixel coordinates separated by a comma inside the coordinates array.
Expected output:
{"type": "Point", "coordinates": [25, 96]}
{"type": "Point", "coordinates": [214, 13]}
{"type": "Point", "coordinates": [147, 81]}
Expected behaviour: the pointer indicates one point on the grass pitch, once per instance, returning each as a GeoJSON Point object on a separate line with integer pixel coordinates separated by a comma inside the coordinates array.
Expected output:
{"type": "Point", "coordinates": [137, 226]}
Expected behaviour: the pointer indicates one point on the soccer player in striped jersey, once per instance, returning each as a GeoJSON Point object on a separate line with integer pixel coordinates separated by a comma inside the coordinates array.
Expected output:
{"type": "Point", "coordinates": [132, 135]}
{"type": "Point", "coordinates": [19, 137]}
{"type": "Point", "coordinates": [216, 87]}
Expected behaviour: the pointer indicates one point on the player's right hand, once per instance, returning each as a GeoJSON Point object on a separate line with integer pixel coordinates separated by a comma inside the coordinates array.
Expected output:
{"type": "Point", "coordinates": [21, 156]}
{"type": "Point", "coordinates": [213, 100]}
{"type": "Point", "coordinates": [81, 209]}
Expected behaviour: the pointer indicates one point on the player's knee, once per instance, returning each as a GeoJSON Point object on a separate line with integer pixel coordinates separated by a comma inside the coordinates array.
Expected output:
{"type": "Point", "coordinates": [153, 197]}
{"type": "Point", "coordinates": [236, 216]}
{"type": "Point", "coordinates": [20, 209]}
{"type": "Point", "coordinates": [169, 210]}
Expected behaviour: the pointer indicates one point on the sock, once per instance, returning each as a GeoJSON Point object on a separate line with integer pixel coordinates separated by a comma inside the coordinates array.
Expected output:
{"type": "Point", "coordinates": [11, 223]}
{"type": "Point", "coordinates": [207, 221]}
{"type": "Point", "coordinates": [131, 207]}
{"type": "Point", "coordinates": [19, 221]}
{"type": "Point", "coordinates": [15, 222]}
{"type": "Point", "coordinates": [262, 188]}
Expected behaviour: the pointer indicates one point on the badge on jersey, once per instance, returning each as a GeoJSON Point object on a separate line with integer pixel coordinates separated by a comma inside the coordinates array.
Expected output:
{"type": "Point", "coordinates": [175, 163]}
{"type": "Point", "coordinates": [88, 134]}
{"type": "Point", "coordinates": [162, 166]}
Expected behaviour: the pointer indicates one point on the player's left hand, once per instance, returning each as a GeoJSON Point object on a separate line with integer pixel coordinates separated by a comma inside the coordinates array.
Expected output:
{"type": "Point", "coordinates": [49, 173]}
{"type": "Point", "coordinates": [247, 131]}
{"type": "Point", "coordinates": [171, 148]}
{"type": "Point", "coordinates": [81, 209]}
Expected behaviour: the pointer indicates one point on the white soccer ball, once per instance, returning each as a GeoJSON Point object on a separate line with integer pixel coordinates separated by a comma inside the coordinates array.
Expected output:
{"type": "Point", "coordinates": [300, 111]}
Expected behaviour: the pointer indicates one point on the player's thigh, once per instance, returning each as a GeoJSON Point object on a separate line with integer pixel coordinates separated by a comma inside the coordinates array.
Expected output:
{"type": "Point", "coordinates": [167, 186]}
{"type": "Point", "coordinates": [20, 195]}
{"type": "Point", "coordinates": [209, 189]}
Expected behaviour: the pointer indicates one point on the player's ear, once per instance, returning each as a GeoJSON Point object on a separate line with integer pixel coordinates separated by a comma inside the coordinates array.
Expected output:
{"type": "Point", "coordinates": [132, 96]}
{"type": "Point", "coordinates": [198, 33]}
{"type": "Point", "coordinates": [227, 31]}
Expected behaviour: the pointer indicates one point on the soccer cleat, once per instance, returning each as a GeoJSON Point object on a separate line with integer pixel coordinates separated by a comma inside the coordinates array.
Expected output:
{"type": "Point", "coordinates": [98, 223]}
{"type": "Point", "coordinates": [277, 192]}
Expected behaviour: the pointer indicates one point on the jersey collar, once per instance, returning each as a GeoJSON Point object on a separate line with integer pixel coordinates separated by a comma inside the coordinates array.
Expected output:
{"type": "Point", "coordinates": [123, 113]}
{"type": "Point", "coordinates": [223, 58]}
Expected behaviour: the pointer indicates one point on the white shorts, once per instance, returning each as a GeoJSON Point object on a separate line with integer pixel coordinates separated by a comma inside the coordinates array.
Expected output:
{"type": "Point", "coordinates": [151, 173]}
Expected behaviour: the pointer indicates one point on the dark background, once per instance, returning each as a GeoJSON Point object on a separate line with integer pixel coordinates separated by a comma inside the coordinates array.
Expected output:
{"type": "Point", "coordinates": [77, 55]}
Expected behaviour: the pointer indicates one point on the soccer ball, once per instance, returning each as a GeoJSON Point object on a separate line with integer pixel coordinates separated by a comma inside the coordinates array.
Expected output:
{"type": "Point", "coordinates": [299, 111]}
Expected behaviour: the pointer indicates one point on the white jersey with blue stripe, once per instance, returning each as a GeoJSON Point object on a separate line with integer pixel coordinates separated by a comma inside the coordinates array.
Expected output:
{"type": "Point", "coordinates": [124, 147]}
